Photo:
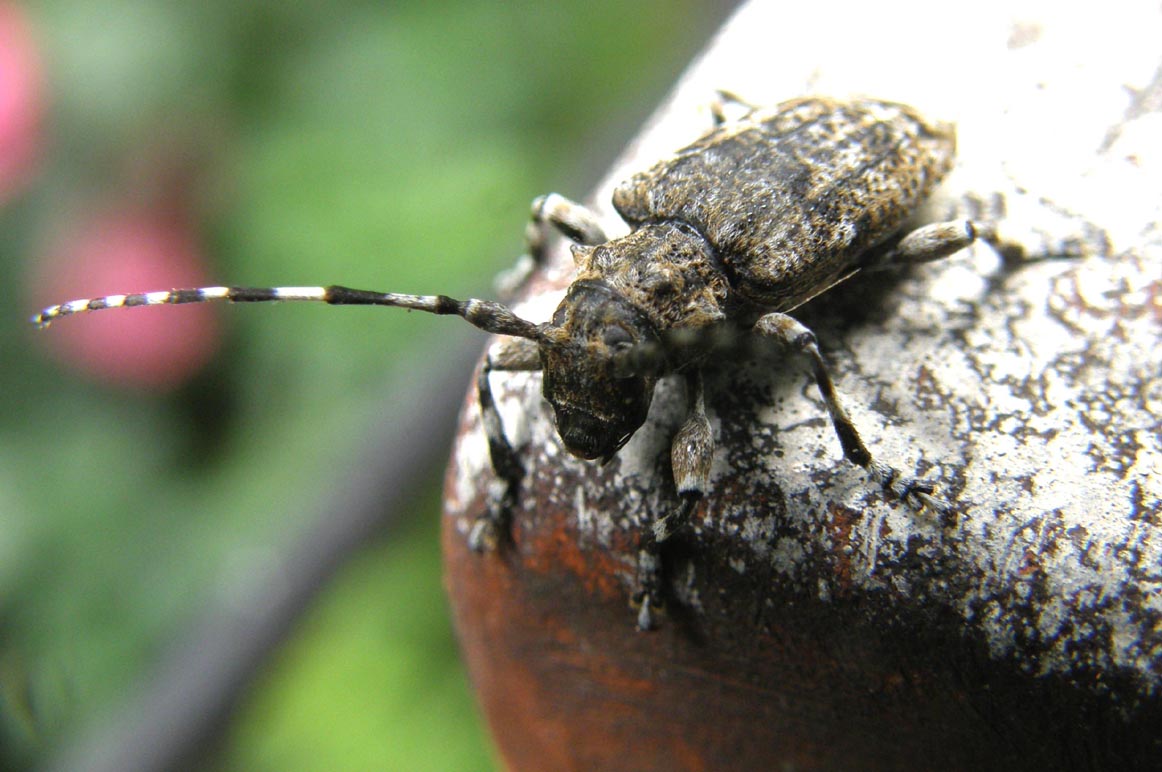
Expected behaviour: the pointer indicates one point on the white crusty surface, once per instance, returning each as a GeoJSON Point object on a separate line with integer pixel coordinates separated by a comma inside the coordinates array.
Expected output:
{"type": "Point", "coordinates": [1034, 397]}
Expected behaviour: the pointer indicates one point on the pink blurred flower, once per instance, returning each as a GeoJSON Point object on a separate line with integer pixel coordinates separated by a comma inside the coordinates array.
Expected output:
{"type": "Point", "coordinates": [134, 250]}
{"type": "Point", "coordinates": [21, 101]}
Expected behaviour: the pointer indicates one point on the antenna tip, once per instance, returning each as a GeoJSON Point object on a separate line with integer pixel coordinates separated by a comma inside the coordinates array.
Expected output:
{"type": "Point", "coordinates": [43, 319]}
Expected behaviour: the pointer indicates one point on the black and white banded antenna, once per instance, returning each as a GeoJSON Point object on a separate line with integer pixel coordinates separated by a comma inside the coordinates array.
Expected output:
{"type": "Point", "coordinates": [488, 315]}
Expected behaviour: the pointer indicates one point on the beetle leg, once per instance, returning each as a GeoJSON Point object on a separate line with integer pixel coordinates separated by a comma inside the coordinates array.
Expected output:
{"type": "Point", "coordinates": [916, 493]}
{"type": "Point", "coordinates": [647, 598]}
{"type": "Point", "coordinates": [690, 455]}
{"type": "Point", "coordinates": [722, 100]}
{"type": "Point", "coordinates": [943, 239]}
{"type": "Point", "coordinates": [1031, 228]}
{"type": "Point", "coordinates": [575, 221]}
{"type": "Point", "coordinates": [934, 242]}
{"type": "Point", "coordinates": [514, 354]}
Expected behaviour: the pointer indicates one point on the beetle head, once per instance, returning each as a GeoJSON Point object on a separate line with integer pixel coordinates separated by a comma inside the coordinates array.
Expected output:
{"type": "Point", "coordinates": [599, 402]}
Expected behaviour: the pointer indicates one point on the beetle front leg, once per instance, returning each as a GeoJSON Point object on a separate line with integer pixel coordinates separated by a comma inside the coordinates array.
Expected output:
{"type": "Point", "coordinates": [691, 453]}
{"type": "Point", "coordinates": [514, 354]}
{"type": "Point", "coordinates": [914, 492]}
{"type": "Point", "coordinates": [553, 211]}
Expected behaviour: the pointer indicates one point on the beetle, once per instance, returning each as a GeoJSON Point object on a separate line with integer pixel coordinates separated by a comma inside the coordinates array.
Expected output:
{"type": "Point", "coordinates": [727, 237]}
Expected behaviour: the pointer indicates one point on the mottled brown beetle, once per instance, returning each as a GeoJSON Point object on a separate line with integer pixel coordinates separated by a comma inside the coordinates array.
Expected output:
{"type": "Point", "coordinates": [734, 231]}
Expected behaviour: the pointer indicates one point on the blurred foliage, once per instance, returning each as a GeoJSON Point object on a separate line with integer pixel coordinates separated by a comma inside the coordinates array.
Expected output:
{"type": "Point", "coordinates": [385, 145]}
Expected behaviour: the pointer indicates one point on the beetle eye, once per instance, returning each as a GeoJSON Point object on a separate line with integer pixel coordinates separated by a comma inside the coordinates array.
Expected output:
{"type": "Point", "coordinates": [617, 338]}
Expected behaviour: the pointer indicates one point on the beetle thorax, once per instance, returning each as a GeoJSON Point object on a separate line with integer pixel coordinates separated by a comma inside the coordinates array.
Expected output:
{"type": "Point", "coordinates": [666, 270]}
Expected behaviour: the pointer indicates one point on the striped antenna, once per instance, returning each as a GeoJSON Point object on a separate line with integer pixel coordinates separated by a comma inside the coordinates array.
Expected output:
{"type": "Point", "coordinates": [489, 316]}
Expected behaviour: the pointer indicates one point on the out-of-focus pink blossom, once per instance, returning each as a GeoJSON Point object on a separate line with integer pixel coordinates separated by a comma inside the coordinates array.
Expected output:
{"type": "Point", "coordinates": [21, 101]}
{"type": "Point", "coordinates": [129, 251]}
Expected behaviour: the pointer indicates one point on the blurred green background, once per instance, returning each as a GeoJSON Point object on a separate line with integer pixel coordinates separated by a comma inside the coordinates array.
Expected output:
{"type": "Point", "coordinates": [392, 146]}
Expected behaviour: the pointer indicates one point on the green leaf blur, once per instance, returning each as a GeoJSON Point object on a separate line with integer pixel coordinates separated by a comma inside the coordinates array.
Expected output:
{"type": "Point", "coordinates": [392, 146]}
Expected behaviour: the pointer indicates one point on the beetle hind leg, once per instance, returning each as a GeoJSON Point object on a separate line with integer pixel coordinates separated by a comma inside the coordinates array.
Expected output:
{"type": "Point", "coordinates": [935, 241]}
{"type": "Point", "coordinates": [938, 240]}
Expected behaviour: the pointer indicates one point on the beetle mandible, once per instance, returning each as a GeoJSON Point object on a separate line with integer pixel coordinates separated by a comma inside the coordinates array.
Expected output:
{"type": "Point", "coordinates": [728, 236]}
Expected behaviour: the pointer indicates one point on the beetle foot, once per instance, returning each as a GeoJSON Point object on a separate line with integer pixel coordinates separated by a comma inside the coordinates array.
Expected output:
{"type": "Point", "coordinates": [483, 536]}
{"type": "Point", "coordinates": [493, 526]}
{"type": "Point", "coordinates": [647, 599]}
{"type": "Point", "coordinates": [645, 612]}
{"type": "Point", "coordinates": [920, 497]}
{"type": "Point", "coordinates": [916, 493]}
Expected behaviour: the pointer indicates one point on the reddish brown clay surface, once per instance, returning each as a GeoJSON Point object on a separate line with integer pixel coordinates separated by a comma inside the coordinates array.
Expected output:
{"type": "Point", "coordinates": [761, 676]}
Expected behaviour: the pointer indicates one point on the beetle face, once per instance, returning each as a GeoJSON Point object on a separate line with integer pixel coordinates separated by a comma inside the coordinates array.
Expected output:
{"type": "Point", "coordinates": [596, 412]}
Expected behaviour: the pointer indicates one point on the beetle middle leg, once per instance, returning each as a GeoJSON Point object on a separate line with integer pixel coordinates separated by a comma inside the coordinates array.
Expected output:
{"type": "Point", "coordinates": [724, 100]}
{"type": "Point", "coordinates": [914, 492]}
{"type": "Point", "coordinates": [691, 453]}
{"type": "Point", "coordinates": [513, 354]}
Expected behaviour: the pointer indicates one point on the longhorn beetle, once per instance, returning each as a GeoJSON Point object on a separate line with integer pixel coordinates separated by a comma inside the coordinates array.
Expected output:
{"type": "Point", "coordinates": [730, 234]}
